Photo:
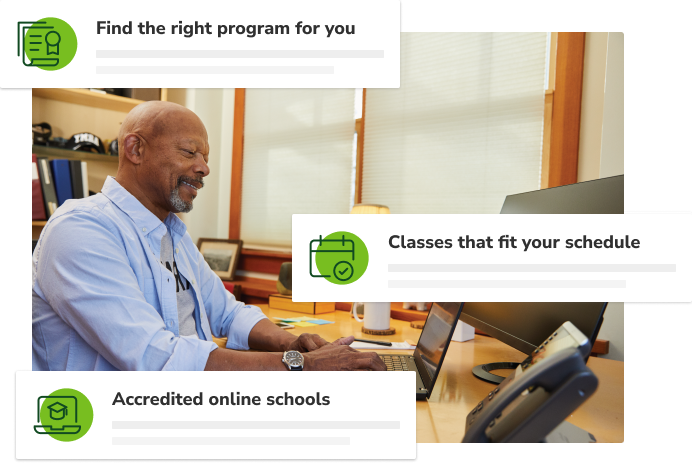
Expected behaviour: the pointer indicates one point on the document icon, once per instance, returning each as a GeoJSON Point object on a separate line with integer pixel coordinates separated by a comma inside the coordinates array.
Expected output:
{"type": "Point", "coordinates": [47, 44]}
{"type": "Point", "coordinates": [38, 43]}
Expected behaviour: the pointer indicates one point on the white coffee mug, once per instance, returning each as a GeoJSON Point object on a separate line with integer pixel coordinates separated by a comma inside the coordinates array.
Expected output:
{"type": "Point", "coordinates": [376, 315]}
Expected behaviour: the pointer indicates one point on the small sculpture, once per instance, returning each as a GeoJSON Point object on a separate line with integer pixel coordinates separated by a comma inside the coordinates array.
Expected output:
{"type": "Point", "coordinates": [285, 283]}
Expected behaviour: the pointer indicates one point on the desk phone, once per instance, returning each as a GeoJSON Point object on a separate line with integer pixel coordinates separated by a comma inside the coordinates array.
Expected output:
{"type": "Point", "coordinates": [539, 395]}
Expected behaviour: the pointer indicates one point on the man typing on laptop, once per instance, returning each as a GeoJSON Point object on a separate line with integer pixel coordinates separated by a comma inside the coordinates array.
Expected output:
{"type": "Point", "coordinates": [119, 285]}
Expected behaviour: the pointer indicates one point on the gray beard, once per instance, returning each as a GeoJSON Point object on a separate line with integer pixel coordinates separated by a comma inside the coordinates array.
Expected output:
{"type": "Point", "coordinates": [178, 204]}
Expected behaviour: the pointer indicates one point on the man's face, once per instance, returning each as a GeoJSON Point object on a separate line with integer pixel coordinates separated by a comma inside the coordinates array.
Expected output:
{"type": "Point", "coordinates": [176, 161]}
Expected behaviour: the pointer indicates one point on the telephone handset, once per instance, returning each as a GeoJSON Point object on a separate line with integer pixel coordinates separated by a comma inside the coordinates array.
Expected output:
{"type": "Point", "coordinates": [539, 395]}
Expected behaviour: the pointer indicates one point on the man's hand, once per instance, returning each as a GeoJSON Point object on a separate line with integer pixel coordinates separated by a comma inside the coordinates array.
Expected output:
{"type": "Point", "coordinates": [310, 342]}
{"type": "Point", "coordinates": [341, 357]}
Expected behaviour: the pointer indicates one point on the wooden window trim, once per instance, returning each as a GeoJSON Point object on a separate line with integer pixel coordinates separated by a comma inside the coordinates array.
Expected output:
{"type": "Point", "coordinates": [360, 130]}
{"type": "Point", "coordinates": [565, 110]}
{"type": "Point", "coordinates": [237, 163]}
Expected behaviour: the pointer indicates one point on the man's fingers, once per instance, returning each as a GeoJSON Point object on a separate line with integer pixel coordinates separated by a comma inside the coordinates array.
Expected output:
{"type": "Point", "coordinates": [369, 361]}
{"type": "Point", "coordinates": [347, 340]}
{"type": "Point", "coordinates": [311, 342]}
{"type": "Point", "coordinates": [319, 341]}
{"type": "Point", "coordinates": [307, 343]}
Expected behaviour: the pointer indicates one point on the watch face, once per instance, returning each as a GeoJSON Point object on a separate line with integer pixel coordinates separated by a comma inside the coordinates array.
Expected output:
{"type": "Point", "coordinates": [293, 358]}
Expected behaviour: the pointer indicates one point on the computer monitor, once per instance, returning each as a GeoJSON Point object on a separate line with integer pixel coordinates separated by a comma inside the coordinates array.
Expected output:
{"type": "Point", "coordinates": [526, 325]}
{"type": "Point", "coordinates": [604, 196]}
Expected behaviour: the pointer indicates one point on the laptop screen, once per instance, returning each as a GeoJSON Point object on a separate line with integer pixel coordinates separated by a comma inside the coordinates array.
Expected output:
{"type": "Point", "coordinates": [436, 335]}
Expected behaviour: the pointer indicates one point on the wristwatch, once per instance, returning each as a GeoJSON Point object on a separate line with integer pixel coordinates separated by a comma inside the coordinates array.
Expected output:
{"type": "Point", "coordinates": [293, 360]}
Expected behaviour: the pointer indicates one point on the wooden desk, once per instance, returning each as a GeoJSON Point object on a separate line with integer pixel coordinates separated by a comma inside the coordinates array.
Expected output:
{"type": "Point", "coordinates": [442, 418]}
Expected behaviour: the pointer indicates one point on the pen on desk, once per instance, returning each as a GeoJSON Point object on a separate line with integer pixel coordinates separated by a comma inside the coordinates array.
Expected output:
{"type": "Point", "coordinates": [383, 343]}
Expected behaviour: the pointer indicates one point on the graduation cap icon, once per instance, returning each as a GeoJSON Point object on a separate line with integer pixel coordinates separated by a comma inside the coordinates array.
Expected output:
{"type": "Point", "coordinates": [58, 411]}
{"type": "Point", "coordinates": [58, 415]}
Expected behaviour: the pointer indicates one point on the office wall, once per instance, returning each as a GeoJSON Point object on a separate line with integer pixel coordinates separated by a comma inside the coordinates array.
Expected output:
{"type": "Point", "coordinates": [593, 96]}
{"type": "Point", "coordinates": [613, 329]}
{"type": "Point", "coordinates": [613, 143]}
{"type": "Point", "coordinates": [602, 133]}
{"type": "Point", "coordinates": [210, 215]}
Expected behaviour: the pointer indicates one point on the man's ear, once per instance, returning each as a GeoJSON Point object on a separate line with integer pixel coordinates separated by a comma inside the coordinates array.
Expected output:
{"type": "Point", "coordinates": [133, 147]}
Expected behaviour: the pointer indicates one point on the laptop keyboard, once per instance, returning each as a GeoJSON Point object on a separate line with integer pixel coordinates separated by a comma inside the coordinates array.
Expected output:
{"type": "Point", "coordinates": [395, 362]}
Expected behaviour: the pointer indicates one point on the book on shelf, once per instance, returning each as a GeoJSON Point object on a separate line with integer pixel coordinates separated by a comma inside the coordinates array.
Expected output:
{"type": "Point", "coordinates": [38, 208]}
{"type": "Point", "coordinates": [47, 186]}
{"type": "Point", "coordinates": [61, 176]}
{"type": "Point", "coordinates": [76, 179]}
{"type": "Point", "coordinates": [85, 180]}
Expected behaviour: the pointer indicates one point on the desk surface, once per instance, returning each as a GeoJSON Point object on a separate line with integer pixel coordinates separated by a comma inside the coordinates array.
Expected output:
{"type": "Point", "coordinates": [442, 418]}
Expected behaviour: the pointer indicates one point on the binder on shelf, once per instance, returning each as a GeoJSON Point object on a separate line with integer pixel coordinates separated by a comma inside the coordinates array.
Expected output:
{"type": "Point", "coordinates": [76, 178]}
{"type": "Point", "coordinates": [47, 186]}
{"type": "Point", "coordinates": [85, 180]}
{"type": "Point", "coordinates": [38, 209]}
{"type": "Point", "coordinates": [61, 175]}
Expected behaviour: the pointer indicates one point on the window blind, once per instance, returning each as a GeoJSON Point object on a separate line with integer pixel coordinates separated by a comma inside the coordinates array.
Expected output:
{"type": "Point", "coordinates": [464, 129]}
{"type": "Point", "coordinates": [297, 159]}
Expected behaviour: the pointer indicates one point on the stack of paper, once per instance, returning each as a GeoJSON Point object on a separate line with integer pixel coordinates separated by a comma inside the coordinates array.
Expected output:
{"type": "Point", "coordinates": [304, 321]}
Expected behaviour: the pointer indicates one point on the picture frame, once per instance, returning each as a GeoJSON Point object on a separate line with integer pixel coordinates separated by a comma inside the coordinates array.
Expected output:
{"type": "Point", "coordinates": [222, 255]}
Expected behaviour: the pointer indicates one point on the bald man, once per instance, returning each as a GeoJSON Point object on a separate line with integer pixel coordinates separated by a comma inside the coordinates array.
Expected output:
{"type": "Point", "coordinates": [118, 283]}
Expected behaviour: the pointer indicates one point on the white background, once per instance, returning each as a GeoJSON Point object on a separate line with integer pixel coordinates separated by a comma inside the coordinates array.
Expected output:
{"type": "Point", "coordinates": [395, 401]}
{"type": "Point", "coordinates": [376, 28]}
{"type": "Point", "coordinates": [659, 236]}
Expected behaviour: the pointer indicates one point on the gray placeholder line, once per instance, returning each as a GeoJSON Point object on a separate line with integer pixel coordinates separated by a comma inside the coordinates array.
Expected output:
{"type": "Point", "coordinates": [231, 441]}
{"type": "Point", "coordinates": [532, 267]}
{"type": "Point", "coordinates": [507, 284]}
{"type": "Point", "coordinates": [240, 54]}
{"type": "Point", "coordinates": [192, 69]}
{"type": "Point", "coordinates": [264, 425]}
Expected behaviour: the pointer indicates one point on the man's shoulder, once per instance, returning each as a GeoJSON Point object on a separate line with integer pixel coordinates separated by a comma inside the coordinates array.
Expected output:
{"type": "Point", "coordinates": [95, 212]}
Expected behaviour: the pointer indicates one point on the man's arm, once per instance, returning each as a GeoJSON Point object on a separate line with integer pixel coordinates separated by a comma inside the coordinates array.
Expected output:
{"type": "Point", "coordinates": [245, 326]}
{"type": "Point", "coordinates": [326, 358]}
{"type": "Point", "coordinates": [267, 336]}
{"type": "Point", "coordinates": [84, 274]}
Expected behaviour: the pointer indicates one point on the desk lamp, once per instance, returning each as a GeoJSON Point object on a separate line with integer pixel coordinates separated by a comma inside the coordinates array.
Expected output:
{"type": "Point", "coordinates": [369, 209]}
{"type": "Point", "coordinates": [377, 314]}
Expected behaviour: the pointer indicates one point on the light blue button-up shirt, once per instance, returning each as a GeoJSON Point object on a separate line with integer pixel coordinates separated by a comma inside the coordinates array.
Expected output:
{"type": "Point", "coordinates": [102, 300]}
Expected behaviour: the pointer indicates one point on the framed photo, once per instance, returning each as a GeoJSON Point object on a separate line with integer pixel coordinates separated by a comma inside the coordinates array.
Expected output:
{"type": "Point", "coordinates": [222, 255]}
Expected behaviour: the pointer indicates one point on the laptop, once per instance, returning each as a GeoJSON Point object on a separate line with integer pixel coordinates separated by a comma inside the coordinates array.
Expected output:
{"type": "Point", "coordinates": [432, 346]}
{"type": "Point", "coordinates": [57, 415]}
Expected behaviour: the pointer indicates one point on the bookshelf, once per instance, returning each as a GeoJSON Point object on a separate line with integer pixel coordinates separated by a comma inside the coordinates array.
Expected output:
{"type": "Point", "coordinates": [54, 152]}
{"type": "Point", "coordinates": [88, 98]}
{"type": "Point", "coordinates": [72, 111]}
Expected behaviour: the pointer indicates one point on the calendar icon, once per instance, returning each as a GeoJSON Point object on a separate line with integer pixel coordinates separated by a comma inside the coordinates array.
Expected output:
{"type": "Point", "coordinates": [343, 268]}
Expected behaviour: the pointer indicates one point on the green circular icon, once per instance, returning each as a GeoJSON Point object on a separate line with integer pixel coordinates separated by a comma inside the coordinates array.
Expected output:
{"type": "Point", "coordinates": [65, 415]}
{"type": "Point", "coordinates": [49, 44]}
{"type": "Point", "coordinates": [341, 257]}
